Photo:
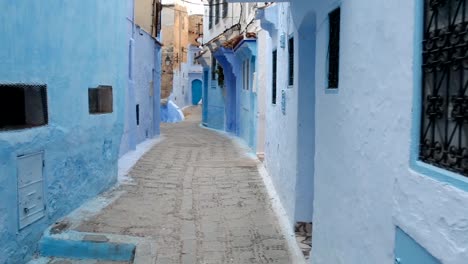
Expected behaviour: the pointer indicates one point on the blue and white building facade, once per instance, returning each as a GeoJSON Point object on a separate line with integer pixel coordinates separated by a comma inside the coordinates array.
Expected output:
{"type": "Point", "coordinates": [62, 119]}
{"type": "Point", "coordinates": [188, 86]}
{"type": "Point", "coordinates": [366, 127]}
{"type": "Point", "coordinates": [230, 62]}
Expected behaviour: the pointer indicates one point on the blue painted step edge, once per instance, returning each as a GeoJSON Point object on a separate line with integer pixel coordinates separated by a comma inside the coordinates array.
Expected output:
{"type": "Point", "coordinates": [78, 249]}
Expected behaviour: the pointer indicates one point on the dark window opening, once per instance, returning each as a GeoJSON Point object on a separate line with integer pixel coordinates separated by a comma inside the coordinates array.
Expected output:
{"type": "Point", "coordinates": [130, 60]}
{"type": "Point", "coordinates": [225, 8]}
{"type": "Point", "coordinates": [210, 14]}
{"type": "Point", "coordinates": [291, 61]}
{"type": "Point", "coordinates": [100, 99]}
{"type": "Point", "coordinates": [334, 49]}
{"type": "Point", "coordinates": [138, 114]}
{"type": "Point", "coordinates": [217, 7]}
{"type": "Point", "coordinates": [273, 94]}
{"type": "Point", "coordinates": [213, 68]}
{"type": "Point", "coordinates": [444, 113]}
{"type": "Point", "coordinates": [220, 72]}
{"type": "Point", "coordinates": [22, 106]}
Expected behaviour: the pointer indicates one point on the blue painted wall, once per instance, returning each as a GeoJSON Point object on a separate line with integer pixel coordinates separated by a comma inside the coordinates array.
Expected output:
{"type": "Point", "coordinates": [205, 97]}
{"type": "Point", "coordinates": [226, 59]}
{"type": "Point", "coordinates": [69, 46]}
{"type": "Point", "coordinates": [144, 86]}
{"type": "Point", "coordinates": [214, 102]}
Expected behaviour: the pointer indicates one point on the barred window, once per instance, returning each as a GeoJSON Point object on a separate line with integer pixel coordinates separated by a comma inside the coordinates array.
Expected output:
{"type": "Point", "coordinates": [444, 114]}
{"type": "Point", "coordinates": [334, 49]}
{"type": "Point", "coordinates": [291, 61]}
{"type": "Point", "coordinates": [22, 106]}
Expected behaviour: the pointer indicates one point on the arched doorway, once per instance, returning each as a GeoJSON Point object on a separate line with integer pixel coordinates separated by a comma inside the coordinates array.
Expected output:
{"type": "Point", "coordinates": [196, 92]}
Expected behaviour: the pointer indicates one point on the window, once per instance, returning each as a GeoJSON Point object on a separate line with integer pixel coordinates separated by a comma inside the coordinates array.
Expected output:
{"type": "Point", "coordinates": [22, 106]}
{"type": "Point", "coordinates": [100, 99]}
{"type": "Point", "coordinates": [217, 7]}
{"type": "Point", "coordinates": [225, 8]}
{"type": "Point", "coordinates": [273, 92]}
{"type": "Point", "coordinates": [291, 62]}
{"type": "Point", "coordinates": [210, 14]}
{"type": "Point", "coordinates": [213, 68]}
{"type": "Point", "coordinates": [137, 114]}
{"type": "Point", "coordinates": [444, 120]}
{"type": "Point", "coordinates": [334, 49]}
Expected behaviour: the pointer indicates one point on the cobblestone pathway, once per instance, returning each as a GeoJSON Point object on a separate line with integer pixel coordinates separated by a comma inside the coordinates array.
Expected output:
{"type": "Point", "coordinates": [200, 198]}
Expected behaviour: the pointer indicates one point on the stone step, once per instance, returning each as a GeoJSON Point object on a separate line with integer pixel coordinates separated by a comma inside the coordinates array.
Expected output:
{"type": "Point", "coordinates": [60, 245]}
{"type": "Point", "coordinates": [51, 260]}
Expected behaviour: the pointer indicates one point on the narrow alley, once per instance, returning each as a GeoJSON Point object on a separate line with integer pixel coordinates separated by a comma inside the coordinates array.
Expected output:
{"type": "Point", "coordinates": [200, 197]}
{"type": "Point", "coordinates": [233, 132]}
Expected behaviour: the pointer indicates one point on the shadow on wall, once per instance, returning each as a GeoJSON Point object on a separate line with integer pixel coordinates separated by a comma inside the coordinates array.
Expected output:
{"type": "Point", "coordinates": [170, 112]}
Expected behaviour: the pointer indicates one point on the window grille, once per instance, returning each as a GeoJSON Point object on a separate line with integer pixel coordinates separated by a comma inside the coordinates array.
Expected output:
{"type": "Point", "coordinates": [100, 99]}
{"type": "Point", "coordinates": [273, 94]}
{"type": "Point", "coordinates": [225, 8]}
{"type": "Point", "coordinates": [23, 106]}
{"type": "Point", "coordinates": [444, 121]}
{"type": "Point", "coordinates": [291, 61]}
{"type": "Point", "coordinates": [334, 49]}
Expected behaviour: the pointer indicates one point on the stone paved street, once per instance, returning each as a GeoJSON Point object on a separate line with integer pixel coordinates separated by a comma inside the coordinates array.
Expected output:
{"type": "Point", "coordinates": [200, 198]}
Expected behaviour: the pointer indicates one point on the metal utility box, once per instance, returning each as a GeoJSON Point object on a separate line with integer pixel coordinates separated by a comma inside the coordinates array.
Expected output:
{"type": "Point", "coordinates": [31, 204]}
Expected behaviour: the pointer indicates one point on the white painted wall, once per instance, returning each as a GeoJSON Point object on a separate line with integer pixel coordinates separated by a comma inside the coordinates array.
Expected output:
{"type": "Point", "coordinates": [281, 129]}
{"type": "Point", "coordinates": [237, 13]}
{"type": "Point", "coordinates": [363, 182]}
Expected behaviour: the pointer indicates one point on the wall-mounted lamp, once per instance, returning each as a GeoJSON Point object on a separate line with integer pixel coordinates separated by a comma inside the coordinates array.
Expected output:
{"type": "Point", "coordinates": [168, 60]}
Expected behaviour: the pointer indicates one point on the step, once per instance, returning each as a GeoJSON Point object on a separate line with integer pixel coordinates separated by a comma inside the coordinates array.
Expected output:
{"type": "Point", "coordinates": [51, 260]}
{"type": "Point", "coordinates": [80, 246]}
{"type": "Point", "coordinates": [61, 245]}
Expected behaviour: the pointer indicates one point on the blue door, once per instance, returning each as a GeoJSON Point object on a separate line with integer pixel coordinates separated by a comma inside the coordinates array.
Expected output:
{"type": "Point", "coordinates": [196, 92]}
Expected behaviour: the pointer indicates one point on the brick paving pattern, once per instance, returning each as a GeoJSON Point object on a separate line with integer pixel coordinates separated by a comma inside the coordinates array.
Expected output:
{"type": "Point", "coordinates": [200, 198]}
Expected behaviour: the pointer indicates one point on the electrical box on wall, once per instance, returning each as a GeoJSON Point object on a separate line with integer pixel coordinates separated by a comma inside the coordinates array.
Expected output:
{"type": "Point", "coordinates": [283, 102]}
{"type": "Point", "coordinates": [31, 202]}
{"type": "Point", "coordinates": [283, 40]}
